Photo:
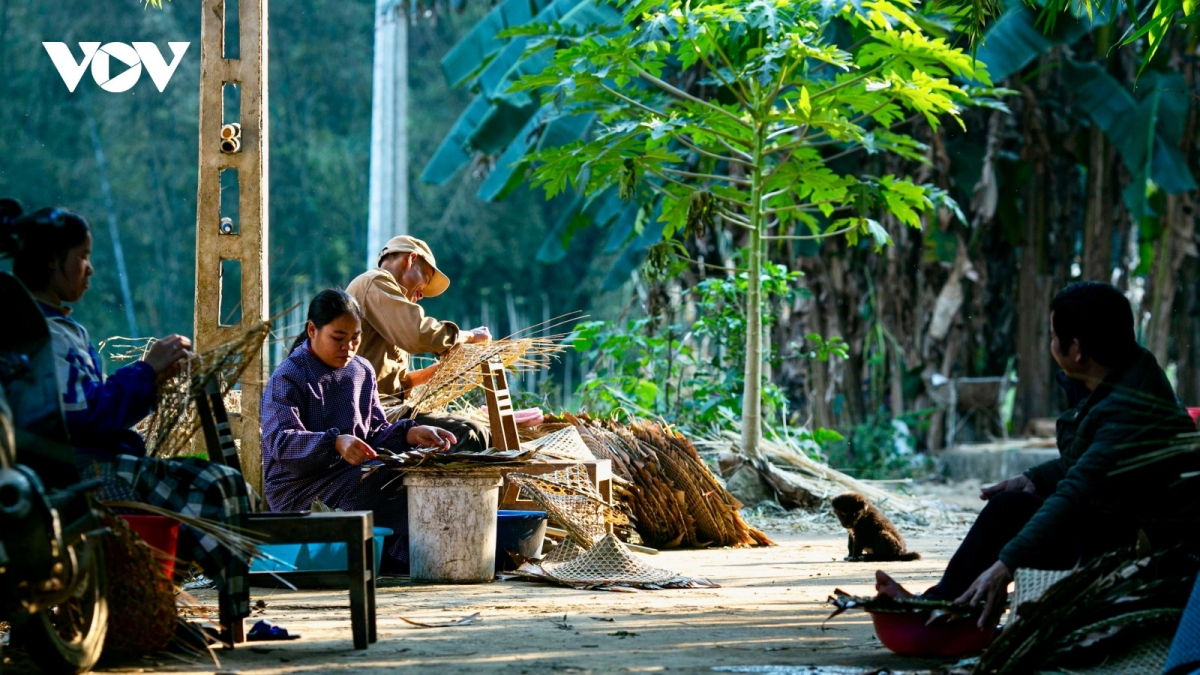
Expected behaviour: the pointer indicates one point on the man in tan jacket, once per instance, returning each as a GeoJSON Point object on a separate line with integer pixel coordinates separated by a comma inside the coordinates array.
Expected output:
{"type": "Point", "coordinates": [395, 326]}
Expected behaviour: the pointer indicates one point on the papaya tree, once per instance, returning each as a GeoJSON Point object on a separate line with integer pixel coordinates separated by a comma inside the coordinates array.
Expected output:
{"type": "Point", "coordinates": [735, 112]}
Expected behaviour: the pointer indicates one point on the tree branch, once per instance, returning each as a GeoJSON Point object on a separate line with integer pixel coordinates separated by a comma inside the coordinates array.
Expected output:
{"type": "Point", "coordinates": [809, 237]}
{"type": "Point", "coordinates": [707, 176]}
{"type": "Point", "coordinates": [631, 101]}
{"type": "Point", "coordinates": [734, 218]}
{"type": "Point", "coordinates": [706, 153]}
{"type": "Point", "coordinates": [683, 95]}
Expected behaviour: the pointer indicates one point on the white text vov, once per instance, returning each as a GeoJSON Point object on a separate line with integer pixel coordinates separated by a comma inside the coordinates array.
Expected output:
{"type": "Point", "coordinates": [99, 58]}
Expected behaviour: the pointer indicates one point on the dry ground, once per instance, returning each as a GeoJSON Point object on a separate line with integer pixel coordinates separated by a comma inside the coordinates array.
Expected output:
{"type": "Point", "coordinates": [768, 612]}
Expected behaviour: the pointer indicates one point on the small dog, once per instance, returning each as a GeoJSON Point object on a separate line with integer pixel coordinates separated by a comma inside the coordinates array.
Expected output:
{"type": "Point", "coordinates": [873, 538]}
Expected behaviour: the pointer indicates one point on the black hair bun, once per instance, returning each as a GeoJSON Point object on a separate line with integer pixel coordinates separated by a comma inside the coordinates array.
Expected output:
{"type": "Point", "coordinates": [10, 210]}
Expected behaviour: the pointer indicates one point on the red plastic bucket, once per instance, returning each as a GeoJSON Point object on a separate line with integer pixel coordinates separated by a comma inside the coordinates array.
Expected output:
{"type": "Point", "coordinates": [1195, 413]}
{"type": "Point", "coordinates": [162, 535]}
{"type": "Point", "coordinates": [909, 634]}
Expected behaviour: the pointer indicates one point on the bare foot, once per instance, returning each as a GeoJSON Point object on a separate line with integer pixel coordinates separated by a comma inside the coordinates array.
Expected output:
{"type": "Point", "coordinates": [888, 588]}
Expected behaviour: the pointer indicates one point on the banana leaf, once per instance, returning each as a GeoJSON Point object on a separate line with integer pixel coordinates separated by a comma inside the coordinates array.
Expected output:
{"type": "Point", "coordinates": [1015, 39]}
{"type": "Point", "coordinates": [633, 255]}
{"type": "Point", "coordinates": [599, 209]}
{"type": "Point", "coordinates": [545, 129]}
{"type": "Point", "coordinates": [1146, 133]}
{"type": "Point", "coordinates": [479, 46]}
{"type": "Point", "coordinates": [452, 154]}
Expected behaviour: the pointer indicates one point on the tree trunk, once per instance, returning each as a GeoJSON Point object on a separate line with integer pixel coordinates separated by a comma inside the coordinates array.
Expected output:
{"type": "Point", "coordinates": [1170, 250]}
{"type": "Point", "coordinates": [1098, 221]}
{"type": "Point", "coordinates": [1186, 333]}
{"type": "Point", "coordinates": [113, 231]}
{"type": "Point", "coordinates": [1098, 228]}
{"type": "Point", "coordinates": [752, 385]}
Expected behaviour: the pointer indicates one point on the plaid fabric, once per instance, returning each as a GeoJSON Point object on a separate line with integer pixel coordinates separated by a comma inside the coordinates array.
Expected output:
{"type": "Point", "coordinates": [193, 487]}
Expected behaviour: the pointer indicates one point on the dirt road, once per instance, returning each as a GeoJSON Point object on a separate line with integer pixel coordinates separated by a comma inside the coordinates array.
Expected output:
{"type": "Point", "coordinates": [767, 612]}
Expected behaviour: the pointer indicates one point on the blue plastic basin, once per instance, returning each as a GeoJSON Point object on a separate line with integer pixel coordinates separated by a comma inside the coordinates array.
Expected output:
{"type": "Point", "coordinates": [312, 557]}
{"type": "Point", "coordinates": [520, 532]}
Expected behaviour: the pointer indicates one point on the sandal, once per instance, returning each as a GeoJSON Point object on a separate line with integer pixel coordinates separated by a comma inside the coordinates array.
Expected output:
{"type": "Point", "coordinates": [263, 631]}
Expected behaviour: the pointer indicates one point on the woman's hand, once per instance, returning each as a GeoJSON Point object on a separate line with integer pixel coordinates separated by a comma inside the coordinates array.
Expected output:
{"type": "Point", "coordinates": [991, 587]}
{"type": "Point", "coordinates": [431, 437]}
{"type": "Point", "coordinates": [353, 449]}
{"type": "Point", "coordinates": [1020, 482]}
{"type": "Point", "coordinates": [167, 352]}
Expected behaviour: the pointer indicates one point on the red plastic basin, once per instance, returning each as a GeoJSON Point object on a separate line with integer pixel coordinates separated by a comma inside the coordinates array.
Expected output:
{"type": "Point", "coordinates": [907, 634]}
{"type": "Point", "coordinates": [1195, 413]}
{"type": "Point", "coordinates": [162, 534]}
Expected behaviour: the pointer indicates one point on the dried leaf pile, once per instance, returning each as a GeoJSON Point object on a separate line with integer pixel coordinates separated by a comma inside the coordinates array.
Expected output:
{"type": "Point", "coordinates": [672, 497]}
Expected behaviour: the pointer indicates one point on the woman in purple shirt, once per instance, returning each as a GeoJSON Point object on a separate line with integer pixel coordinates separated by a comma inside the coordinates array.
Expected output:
{"type": "Point", "coordinates": [321, 423]}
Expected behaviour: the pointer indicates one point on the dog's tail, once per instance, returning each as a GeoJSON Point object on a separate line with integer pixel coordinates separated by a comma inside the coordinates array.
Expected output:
{"type": "Point", "coordinates": [909, 555]}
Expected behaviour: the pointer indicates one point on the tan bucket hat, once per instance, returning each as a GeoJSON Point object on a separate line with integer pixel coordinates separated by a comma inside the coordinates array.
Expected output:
{"type": "Point", "coordinates": [407, 244]}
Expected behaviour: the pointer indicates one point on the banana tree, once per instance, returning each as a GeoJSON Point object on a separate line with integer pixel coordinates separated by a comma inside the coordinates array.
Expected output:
{"type": "Point", "coordinates": [755, 151]}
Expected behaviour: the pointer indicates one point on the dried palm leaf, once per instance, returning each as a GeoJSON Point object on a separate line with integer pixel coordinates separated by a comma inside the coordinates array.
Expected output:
{"type": "Point", "coordinates": [241, 542]}
{"type": "Point", "coordinates": [459, 369]}
{"type": "Point", "coordinates": [169, 430]}
{"type": "Point", "coordinates": [1107, 596]}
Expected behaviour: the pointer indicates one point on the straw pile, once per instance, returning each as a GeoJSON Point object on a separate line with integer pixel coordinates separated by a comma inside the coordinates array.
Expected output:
{"type": "Point", "coordinates": [170, 428]}
{"type": "Point", "coordinates": [671, 496]}
{"type": "Point", "coordinates": [459, 370]}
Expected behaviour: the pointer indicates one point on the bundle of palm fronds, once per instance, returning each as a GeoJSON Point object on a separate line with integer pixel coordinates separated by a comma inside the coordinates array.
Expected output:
{"type": "Point", "coordinates": [1100, 612]}
{"type": "Point", "coordinates": [170, 428]}
{"type": "Point", "coordinates": [459, 370]}
{"type": "Point", "coordinates": [671, 495]}
{"type": "Point", "coordinates": [843, 601]}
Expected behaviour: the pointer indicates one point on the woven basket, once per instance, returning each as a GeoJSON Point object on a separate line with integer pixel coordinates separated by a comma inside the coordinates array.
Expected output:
{"type": "Point", "coordinates": [141, 599]}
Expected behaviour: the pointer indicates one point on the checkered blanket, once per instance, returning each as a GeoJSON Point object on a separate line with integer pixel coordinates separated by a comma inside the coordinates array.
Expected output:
{"type": "Point", "coordinates": [193, 487]}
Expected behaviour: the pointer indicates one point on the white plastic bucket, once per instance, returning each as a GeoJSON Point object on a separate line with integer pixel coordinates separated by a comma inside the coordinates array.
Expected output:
{"type": "Point", "coordinates": [452, 524]}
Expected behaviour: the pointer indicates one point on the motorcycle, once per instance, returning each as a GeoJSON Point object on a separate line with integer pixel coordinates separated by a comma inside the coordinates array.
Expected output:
{"type": "Point", "coordinates": [52, 582]}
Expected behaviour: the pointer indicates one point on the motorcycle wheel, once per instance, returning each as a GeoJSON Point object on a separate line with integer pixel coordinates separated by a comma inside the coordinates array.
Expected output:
{"type": "Point", "coordinates": [67, 639]}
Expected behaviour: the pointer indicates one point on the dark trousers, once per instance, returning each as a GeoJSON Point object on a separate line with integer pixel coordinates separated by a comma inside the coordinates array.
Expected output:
{"type": "Point", "coordinates": [472, 436]}
{"type": "Point", "coordinates": [999, 522]}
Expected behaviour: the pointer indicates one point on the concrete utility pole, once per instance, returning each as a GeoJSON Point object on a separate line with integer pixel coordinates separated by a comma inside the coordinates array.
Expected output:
{"type": "Point", "coordinates": [388, 211]}
{"type": "Point", "coordinates": [243, 241]}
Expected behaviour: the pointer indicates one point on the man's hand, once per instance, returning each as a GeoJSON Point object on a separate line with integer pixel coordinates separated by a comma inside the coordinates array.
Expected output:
{"type": "Point", "coordinates": [167, 352]}
{"type": "Point", "coordinates": [1021, 482]}
{"type": "Point", "coordinates": [431, 437]}
{"type": "Point", "coordinates": [353, 449]}
{"type": "Point", "coordinates": [479, 335]}
{"type": "Point", "coordinates": [991, 587]}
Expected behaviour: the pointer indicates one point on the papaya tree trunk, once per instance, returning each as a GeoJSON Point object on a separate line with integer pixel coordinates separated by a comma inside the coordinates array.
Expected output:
{"type": "Point", "coordinates": [752, 385]}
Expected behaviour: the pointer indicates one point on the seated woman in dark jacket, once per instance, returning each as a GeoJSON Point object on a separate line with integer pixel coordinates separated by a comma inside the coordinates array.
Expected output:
{"type": "Point", "coordinates": [51, 251]}
{"type": "Point", "coordinates": [322, 422]}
